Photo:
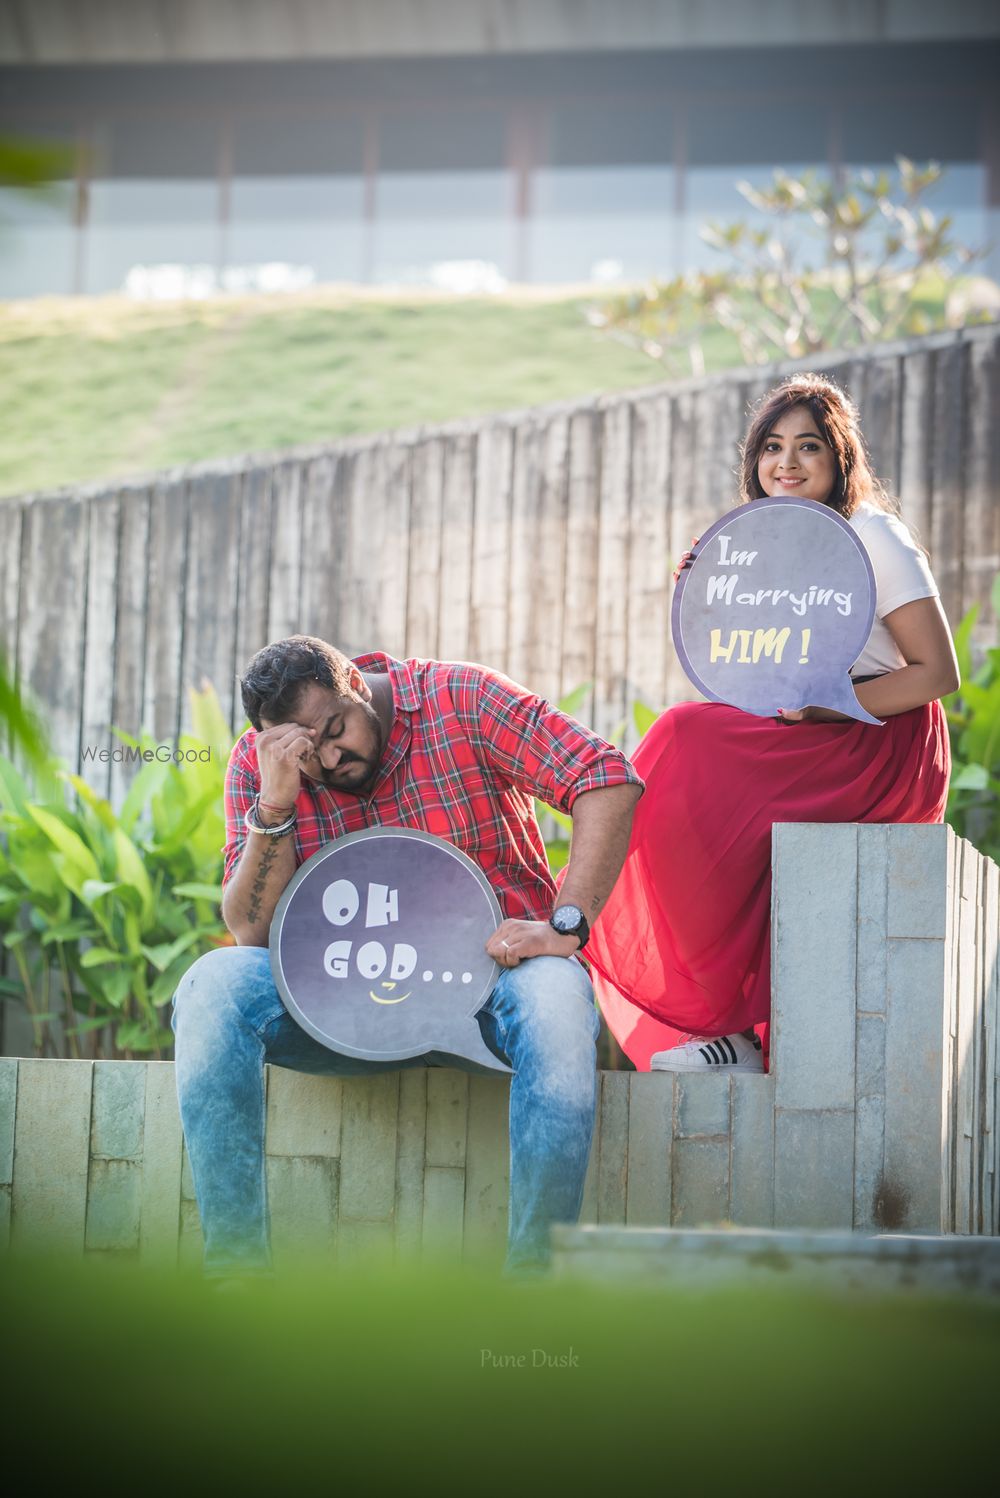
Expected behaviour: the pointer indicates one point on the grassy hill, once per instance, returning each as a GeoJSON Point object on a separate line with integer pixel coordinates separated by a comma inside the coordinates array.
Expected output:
{"type": "Point", "coordinates": [95, 388]}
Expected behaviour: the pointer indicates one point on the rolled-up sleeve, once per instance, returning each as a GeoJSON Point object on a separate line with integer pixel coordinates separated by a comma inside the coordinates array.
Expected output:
{"type": "Point", "coordinates": [240, 789]}
{"type": "Point", "coordinates": [541, 750]}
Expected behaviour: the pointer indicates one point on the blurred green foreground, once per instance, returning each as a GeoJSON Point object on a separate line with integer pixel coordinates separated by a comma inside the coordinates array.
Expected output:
{"type": "Point", "coordinates": [361, 1377]}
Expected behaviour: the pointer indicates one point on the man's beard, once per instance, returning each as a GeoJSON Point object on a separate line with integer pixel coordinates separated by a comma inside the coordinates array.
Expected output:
{"type": "Point", "coordinates": [333, 780]}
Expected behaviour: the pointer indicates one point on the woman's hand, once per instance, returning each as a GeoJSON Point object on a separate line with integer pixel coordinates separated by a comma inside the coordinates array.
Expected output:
{"type": "Point", "coordinates": [812, 715]}
{"type": "Point", "coordinates": [685, 561]}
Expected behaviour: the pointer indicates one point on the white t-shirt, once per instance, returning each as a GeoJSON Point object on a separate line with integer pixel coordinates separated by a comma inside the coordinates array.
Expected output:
{"type": "Point", "coordinates": [901, 575]}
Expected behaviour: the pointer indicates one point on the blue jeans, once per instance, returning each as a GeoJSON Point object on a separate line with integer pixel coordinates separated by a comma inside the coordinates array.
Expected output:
{"type": "Point", "coordinates": [229, 1020]}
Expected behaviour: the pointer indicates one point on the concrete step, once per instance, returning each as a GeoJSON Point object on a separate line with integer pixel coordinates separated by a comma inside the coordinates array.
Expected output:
{"type": "Point", "coordinates": [692, 1258]}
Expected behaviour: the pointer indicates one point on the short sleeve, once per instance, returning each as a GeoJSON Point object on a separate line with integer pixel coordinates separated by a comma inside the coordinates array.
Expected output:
{"type": "Point", "coordinates": [902, 572]}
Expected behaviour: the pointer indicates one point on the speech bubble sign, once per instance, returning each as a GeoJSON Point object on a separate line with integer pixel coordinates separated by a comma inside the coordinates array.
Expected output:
{"type": "Point", "coordinates": [775, 609]}
{"type": "Point", "coordinates": [378, 947]}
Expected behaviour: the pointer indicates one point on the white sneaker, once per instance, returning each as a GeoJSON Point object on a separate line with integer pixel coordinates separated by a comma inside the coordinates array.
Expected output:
{"type": "Point", "coordinates": [723, 1053]}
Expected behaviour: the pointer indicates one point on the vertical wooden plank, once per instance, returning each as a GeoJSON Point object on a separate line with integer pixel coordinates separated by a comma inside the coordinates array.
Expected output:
{"type": "Point", "coordinates": [11, 511]}
{"type": "Point", "coordinates": [191, 1243]}
{"type": "Point", "coordinates": [97, 715]}
{"type": "Point", "coordinates": [303, 1114]}
{"type": "Point", "coordinates": [347, 557]}
{"type": "Point", "coordinates": [650, 1148]}
{"type": "Point", "coordinates": [991, 954]}
{"type": "Point", "coordinates": [611, 612]}
{"type": "Point", "coordinates": [537, 554]}
{"type": "Point", "coordinates": [373, 570]}
{"type": "Point", "coordinates": [447, 1116]}
{"type": "Point", "coordinates": [981, 546]}
{"type": "Point", "coordinates": [916, 486]}
{"type": "Point", "coordinates": [254, 573]}
{"type": "Point", "coordinates": [368, 1147]}
{"type": "Point", "coordinates": [751, 1152]}
{"type": "Point", "coordinates": [410, 1149]}
{"type": "Point", "coordinates": [302, 1198]}
{"type": "Point", "coordinates": [117, 1110]}
{"type": "Point", "coordinates": [51, 1156]}
{"type": "Point", "coordinates": [165, 607]}
{"type": "Point", "coordinates": [650, 587]}
{"type": "Point", "coordinates": [457, 524]}
{"type": "Point", "coordinates": [880, 418]}
{"type": "Point", "coordinates": [591, 1184]}
{"type": "Point", "coordinates": [161, 1167]}
{"type": "Point", "coordinates": [487, 1169]}
{"type": "Point", "coordinates": [444, 1212]}
{"type": "Point", "coordinates": [210, 594]}
{"type": "Point", "coordinates": [950, 443]}
{"type": "Point", "coordinates": [113, 1206]}
{"type": "Point", "coordinates": [613, 1166]}
{"type": "Point", "coordinates": [389, 579]}
{"type": "Point", "coordinates": [316, 611]}
{"type": "Point", "coordinates": [491, 546]}
{"type": "Point", "coordinates": [424, 548]}
{"type": "Point", "coordinates": [50, 628]}
{"type": "Point", "coordinates": [8, 1109]}
{"type": "Point", "coordinates": [583, 500]}
{"type": "Point", "coordinates": [130, 627]}
{"type": "Point", "coordinates": [284, 590]}
{"type": "Point", "coordinates": [966, 1053]}
{"type": "Point", "coordinates": [680, 521]}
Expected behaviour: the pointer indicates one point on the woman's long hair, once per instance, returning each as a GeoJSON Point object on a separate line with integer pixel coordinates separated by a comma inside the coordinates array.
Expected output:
{"type": "Point", "coordinates": [837, 421]}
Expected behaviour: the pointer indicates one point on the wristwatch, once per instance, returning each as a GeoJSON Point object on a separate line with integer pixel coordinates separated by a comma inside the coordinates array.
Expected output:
{"type": "Point", "coordinates": [569, 920]}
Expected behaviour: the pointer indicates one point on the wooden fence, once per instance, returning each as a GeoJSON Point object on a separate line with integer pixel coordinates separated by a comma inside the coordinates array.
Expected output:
{"type": "Point", "coordinates": [540, 542]}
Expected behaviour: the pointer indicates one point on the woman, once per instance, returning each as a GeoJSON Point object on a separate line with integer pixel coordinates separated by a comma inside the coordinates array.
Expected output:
{"type": "Point", "coordinates": [684, 943]}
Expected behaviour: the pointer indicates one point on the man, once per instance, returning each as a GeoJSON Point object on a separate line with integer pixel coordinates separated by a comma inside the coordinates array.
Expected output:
{"type": "Point", "coordinates": [455, 750]}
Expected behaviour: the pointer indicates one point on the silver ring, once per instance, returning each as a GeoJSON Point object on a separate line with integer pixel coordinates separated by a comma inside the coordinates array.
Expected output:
{"type": "Point", "coordinates": [504, 943]}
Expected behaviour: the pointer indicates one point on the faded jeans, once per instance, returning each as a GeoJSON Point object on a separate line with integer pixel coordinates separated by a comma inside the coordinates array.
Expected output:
{"type": "Point", "coordinates": [229, 1020]}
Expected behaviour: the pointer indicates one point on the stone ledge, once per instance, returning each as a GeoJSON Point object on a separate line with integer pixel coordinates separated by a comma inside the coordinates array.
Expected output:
{"type": "Point", "coordinates": [709, 1258]}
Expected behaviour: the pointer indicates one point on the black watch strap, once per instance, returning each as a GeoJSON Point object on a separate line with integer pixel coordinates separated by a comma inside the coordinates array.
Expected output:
{"type": "Point", "coordinates": [568, 926]}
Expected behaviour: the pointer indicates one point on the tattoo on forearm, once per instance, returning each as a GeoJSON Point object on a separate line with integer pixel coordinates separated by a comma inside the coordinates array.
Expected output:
{"type": "Point", "coordinates": [264, 868]}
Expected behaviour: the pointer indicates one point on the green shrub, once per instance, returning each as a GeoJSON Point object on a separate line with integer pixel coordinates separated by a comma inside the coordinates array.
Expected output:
{"type": "Point", "coordinates": [974, 725]}
{"type": "Point", "coordinates": [104, 911]}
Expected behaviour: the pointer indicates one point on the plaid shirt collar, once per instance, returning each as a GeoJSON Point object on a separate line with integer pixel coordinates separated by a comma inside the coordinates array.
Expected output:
{"type": "Point", "coordinates": [406, 699]}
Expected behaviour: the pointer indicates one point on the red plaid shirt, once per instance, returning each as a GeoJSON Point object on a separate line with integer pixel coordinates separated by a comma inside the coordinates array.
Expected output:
{"type": "Point", "coordinates": [467, 752]}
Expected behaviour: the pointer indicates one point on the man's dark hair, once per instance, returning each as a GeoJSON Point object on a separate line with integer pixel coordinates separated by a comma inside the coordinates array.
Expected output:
{"type": "Point", "coordinates": [278, 675]}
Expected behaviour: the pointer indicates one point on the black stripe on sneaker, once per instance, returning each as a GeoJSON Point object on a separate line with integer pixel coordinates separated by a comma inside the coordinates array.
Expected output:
{"type": "Point", "coordinates": [728, 1044]}
{"type": "Point", "coordinates": [717, 1055]}
{"type": "Point", "coordinates": [708, 1054]}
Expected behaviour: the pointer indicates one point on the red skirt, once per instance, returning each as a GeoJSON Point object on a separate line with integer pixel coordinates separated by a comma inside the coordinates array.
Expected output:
{"type": "Point", "coordinates": [684, 943]}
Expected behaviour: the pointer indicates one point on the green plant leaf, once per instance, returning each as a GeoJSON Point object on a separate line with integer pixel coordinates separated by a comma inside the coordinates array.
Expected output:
{"type": "Point", "coordinates": [971, 778]}
{"type": "Point", "coordinates": [75, 851]}
{"type": "Point", "coordinates": [196, 891]}
{"type": "Point", "coordinates": [643, 717]}
{"type": "Point", "coordinates": [162, 956]}
{"type": "Point", "coordinates": [97, 956]}
{"type": "Point", "coordinates": [132, 871]}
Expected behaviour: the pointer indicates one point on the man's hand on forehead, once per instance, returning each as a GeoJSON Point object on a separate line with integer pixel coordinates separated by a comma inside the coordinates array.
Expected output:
{"type": "Point", "coordinates": [281, 752]}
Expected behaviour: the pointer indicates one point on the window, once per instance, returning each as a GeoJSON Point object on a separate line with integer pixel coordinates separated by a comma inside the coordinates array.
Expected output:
{"type": "Point", "coordinates": [297, 194]}
{"type": "Point", "coordinates": [603, 199]}
{"type": "Point", "coordinates": [154, 199]}
{"type": "Point", "coordinates": [445, 196]}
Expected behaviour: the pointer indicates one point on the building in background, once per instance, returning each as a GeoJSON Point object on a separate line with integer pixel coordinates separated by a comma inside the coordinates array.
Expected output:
{"type": "Point", "coordinates": [464, 143]}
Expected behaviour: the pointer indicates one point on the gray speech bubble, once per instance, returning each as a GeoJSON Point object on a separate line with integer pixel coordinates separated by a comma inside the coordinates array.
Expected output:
{"type": "Point", "coordinates": [775, 609]}
{"type": "Point", "coordinates": [378, 947]}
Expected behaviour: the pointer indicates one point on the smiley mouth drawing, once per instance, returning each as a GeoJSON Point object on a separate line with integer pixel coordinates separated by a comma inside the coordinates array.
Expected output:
{"type": "Point", "coordinates": [373, 995]}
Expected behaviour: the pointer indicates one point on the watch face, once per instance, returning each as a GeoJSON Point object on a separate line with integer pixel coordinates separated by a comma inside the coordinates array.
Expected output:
{"type": "Point", "coordinates": [567, 919]}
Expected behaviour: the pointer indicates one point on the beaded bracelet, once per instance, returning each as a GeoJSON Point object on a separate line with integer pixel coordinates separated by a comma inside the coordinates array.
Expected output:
{"type": "Point", "coordinates": [252, 822]}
